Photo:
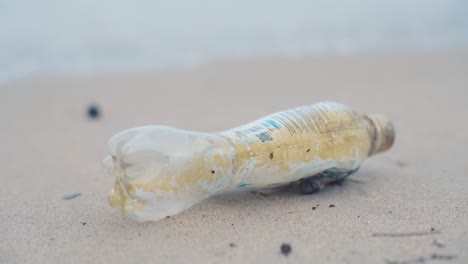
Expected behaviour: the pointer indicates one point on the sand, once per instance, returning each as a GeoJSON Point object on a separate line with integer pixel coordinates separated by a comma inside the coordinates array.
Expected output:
{"type": "Point", "coordinates": [50, 149]}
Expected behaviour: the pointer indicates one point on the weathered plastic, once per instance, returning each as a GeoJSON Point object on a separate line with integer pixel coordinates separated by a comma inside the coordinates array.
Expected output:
{"type": "Point", "coordinates": [160, 171]}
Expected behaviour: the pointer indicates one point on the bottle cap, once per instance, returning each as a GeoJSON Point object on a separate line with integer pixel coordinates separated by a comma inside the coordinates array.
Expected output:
{"type": "Point", "coordinates": [382, 133]}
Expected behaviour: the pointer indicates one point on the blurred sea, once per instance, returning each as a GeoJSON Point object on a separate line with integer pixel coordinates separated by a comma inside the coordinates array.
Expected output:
{"type": "Point", "coordinates": [92, 36]}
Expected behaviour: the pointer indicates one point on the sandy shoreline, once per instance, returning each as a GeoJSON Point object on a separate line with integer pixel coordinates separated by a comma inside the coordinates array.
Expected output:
{"type": "Point", "coordinates": [50, 149]}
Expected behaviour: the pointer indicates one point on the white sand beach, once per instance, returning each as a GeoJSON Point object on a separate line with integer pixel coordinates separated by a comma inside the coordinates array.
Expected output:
{"type": "Point", "coordinates": [50, 149]}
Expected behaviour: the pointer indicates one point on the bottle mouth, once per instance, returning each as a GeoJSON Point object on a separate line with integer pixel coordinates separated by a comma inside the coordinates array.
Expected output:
{"type": "Point", "coordinates": [382, 133]}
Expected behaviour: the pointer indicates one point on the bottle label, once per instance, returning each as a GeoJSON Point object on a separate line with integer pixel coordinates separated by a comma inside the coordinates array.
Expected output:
{"type": "Point", "coordinates": [317, 119]}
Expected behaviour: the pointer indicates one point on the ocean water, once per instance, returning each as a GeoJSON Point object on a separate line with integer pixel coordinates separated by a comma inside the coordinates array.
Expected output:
{"type": "Point", "coordinates": [92, 36]}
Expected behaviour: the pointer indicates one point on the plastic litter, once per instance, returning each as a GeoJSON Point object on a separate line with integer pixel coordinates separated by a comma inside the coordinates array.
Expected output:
{"type": "Point", "coordinates": [160, 171]}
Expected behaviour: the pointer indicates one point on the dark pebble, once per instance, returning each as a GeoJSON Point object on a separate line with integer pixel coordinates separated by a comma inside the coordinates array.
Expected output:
{"type": "Point", "coordinates": [332, 205]}
{"type": "Point", "coordinates": [286, 249]}
{"type": "Point", "coordinates": [93, 112]}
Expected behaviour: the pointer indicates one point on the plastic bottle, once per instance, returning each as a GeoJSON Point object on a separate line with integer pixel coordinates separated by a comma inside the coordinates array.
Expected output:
{"type": "Point", "coordinates": [160, 171]}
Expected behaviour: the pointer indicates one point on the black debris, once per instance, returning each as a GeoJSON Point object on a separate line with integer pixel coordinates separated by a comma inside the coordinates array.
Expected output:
{"type": "Point", "coordinates": [232, 245]}
{"type": "Point", "coordinates": [314, 207]}
{"type": "Point", "coordinates": [339, 182]}
{"type": "Point", "coordinates": [332, 205]}
{"type": "Point", "coordinates": [309, 187]}
{"type": "Point", "coordinates": [286, 249]}
{"type": "Point", "coordinates": [213, 171]}
{"type": "Point", "coordinates": [93, 112]}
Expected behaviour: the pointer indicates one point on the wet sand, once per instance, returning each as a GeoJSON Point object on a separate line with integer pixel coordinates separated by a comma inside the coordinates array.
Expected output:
{"type": "Point", "coordinates": [411, 202]}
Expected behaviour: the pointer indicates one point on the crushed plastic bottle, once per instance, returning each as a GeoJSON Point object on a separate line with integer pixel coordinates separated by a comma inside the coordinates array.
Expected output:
{"type": "Point", "coordinates": [160, 171]}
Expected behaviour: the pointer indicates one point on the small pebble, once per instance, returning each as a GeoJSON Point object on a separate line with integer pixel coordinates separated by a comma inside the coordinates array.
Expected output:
{"type": "Point", "coordinates": [332, 205]}
{"type": "Point", "coordinates": [232, 245]}
{"type": "Point", "coordinates": [93, 112]}
{"type": "Point", "coordinates": [285, 249]}
{"type": "Point", "coordinates": [313, 207]}
{"type": "Point", "coordinates": [71, 196]}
